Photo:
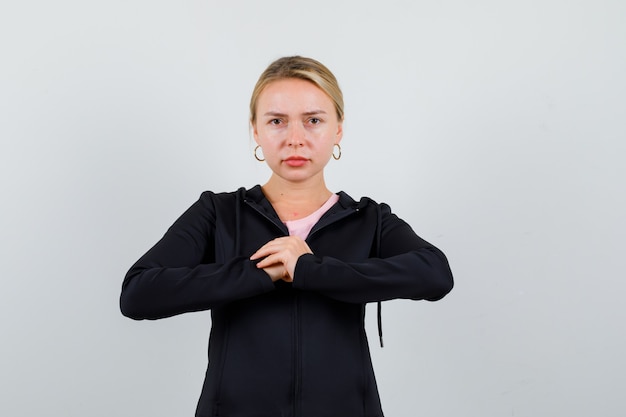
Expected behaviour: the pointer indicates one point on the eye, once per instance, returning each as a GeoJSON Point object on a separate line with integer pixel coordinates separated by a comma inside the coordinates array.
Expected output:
{"type": "Point", "coordinates": [275, 122]}
{"type": "Point", "coordinates": [314, 121]}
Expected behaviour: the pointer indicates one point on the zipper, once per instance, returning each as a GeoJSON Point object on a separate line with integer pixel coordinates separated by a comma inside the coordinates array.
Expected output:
{"type": "Point", "coordinates": [326, 221]}
{"type": "Point", "coordinates": [255, 207]}
{"type": "Point", "coordinates": [329, 218]}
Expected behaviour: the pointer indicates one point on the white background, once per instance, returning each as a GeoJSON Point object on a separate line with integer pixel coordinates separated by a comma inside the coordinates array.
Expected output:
{"type": "Point", "coordinates": [495, 128]}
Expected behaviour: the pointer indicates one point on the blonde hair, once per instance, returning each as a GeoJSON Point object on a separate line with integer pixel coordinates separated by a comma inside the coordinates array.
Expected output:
{"type": "Point", "coordinates": [301, 68]}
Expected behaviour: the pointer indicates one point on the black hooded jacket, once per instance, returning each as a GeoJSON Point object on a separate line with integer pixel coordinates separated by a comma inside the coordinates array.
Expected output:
{"type": "Point", "coordinates": [284, 349]}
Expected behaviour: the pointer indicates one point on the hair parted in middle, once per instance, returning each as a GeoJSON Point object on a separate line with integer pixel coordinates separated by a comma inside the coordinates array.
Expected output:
{"type": "Point", "coordinates": [301, 68]}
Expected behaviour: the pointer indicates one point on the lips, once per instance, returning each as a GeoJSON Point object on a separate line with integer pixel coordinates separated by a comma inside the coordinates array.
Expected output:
{"type": "Point", "coordinates": [296, 161]}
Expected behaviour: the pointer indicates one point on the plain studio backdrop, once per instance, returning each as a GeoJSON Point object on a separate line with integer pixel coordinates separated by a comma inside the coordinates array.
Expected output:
{"type": "Point", "coordinates": [497, 129]}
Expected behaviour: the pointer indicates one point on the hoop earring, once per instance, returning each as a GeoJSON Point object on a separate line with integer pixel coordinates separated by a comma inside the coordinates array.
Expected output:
{"type": "Point", "coordinates": [257, 156]}
{"type": "Point", "coordinates": [337, 157]}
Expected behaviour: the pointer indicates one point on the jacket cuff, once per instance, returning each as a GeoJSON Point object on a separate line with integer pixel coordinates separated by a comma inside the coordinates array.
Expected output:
{"type": "Point", "coordinates": [261, 277]}
{"type": "Point", "coordinates": [304, 265]}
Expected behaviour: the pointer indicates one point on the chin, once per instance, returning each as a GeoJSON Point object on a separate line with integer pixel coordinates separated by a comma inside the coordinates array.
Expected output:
{"type": "Point", "coordinates": [296, 178]}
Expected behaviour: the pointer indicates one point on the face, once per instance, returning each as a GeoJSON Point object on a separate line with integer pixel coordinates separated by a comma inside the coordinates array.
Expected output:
{"type": "Point", "coordinates": [297, 128]}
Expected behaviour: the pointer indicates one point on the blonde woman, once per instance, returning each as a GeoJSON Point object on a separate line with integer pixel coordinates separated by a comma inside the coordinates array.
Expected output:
{"type": "Point", "coordinates": [287, 268]}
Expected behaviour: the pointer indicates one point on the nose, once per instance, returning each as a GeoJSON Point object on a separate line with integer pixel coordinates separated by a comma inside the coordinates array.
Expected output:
{"type": "Point", "coordinates": [295, 135]}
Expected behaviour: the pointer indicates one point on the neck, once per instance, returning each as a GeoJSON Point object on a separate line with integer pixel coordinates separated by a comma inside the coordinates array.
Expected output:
{"type": "Point", "coordinates": [278, 190]}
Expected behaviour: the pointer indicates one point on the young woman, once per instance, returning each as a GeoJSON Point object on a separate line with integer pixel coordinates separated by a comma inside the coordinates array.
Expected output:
{"type": "Point", "coordinates": [287, 268]}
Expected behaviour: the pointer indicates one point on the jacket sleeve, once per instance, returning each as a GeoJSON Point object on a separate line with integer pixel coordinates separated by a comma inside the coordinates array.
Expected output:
{"type": "Point", "coordinates": [407, 267]}
{"type": "Point", "coordinates": [179, 274]}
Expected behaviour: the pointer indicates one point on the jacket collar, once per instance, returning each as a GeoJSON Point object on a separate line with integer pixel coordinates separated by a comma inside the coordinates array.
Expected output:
{"type": "Point", "coordinates": [344, 207]}
{"type": "Point", "coordinates": [255, 195]}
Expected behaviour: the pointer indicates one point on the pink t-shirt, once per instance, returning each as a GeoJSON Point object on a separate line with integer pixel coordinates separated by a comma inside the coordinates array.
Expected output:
{"type": "Point", "coordinates": [303, 226]}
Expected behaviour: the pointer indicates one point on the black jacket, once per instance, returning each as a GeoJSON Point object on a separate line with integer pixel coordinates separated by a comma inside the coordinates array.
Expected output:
{"type": "Point", "coordinates": [300, 349]}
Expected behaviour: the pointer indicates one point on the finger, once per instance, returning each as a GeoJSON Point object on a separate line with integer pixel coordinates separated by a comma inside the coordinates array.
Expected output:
{"type": "Point", "coordinates": [256, 255]}
{"type": "Point", "coordinates": [270, 247]}
{"type": "Point", "coordinates": [264, 251]}
{"type": "Point", "coordinates": [269, 261]}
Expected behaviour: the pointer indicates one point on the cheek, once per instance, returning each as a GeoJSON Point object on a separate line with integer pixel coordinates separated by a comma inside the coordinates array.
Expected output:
{"type": "Point", "coordinates": [267, 135]}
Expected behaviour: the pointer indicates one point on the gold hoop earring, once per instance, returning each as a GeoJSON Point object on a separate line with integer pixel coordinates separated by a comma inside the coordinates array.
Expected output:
{"type": "Point", "coordinates": [336, 157]}
{"type": "Point", "coordinates": [257, 156]}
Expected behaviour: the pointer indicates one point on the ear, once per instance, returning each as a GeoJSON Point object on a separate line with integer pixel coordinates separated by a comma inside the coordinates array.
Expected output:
{"type": "Point", "coordinates": [255, 132]}
{"type": "Point", "coordinates": [339, 132]}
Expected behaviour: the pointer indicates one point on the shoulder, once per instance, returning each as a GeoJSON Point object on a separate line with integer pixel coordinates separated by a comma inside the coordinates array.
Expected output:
{"type": "Point", "coordinates": [227, 202]}
{"type": "Point", "coordinates": [364, 203]}
{"type": "Point", "coordinates": [213, 197]}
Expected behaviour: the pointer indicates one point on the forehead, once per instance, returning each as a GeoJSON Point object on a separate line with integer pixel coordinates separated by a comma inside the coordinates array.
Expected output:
{"type": "Point", "coordinates": [293, 93]}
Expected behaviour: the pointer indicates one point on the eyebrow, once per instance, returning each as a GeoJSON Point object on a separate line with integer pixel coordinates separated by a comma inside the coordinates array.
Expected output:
{"type": "Point", "coordinates": [308, 113]}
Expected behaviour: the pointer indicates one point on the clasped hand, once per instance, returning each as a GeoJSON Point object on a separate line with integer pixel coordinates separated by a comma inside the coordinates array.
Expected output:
{"type": "Point", "coordinates": [279, 257]}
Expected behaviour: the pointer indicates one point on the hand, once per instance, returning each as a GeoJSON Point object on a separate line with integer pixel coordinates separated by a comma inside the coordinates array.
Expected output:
{"type": "Point", "coordinates": [280, 256]}
{"type": "Point", "coordinates": [277, 272]}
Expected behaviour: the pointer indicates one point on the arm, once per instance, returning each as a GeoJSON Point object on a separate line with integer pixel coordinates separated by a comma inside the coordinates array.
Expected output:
{"type": "Point", "coordinates": [179, 273]}
{"type": "Point", "coordinates": [407, 267]}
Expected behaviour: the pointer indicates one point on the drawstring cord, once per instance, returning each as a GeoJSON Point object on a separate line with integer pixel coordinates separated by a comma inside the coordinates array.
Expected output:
{"type": "Point", "coordinates": [238, 207]}
{"type": "Point", "coordinates": [379, 314]}
{"type": "Point", "coordinates": [380, 325]}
